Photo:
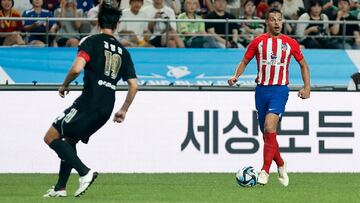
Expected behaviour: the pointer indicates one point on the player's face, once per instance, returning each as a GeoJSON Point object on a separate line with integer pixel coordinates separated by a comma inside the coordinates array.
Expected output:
{"type": "Point", "coordinates": [274, 23]}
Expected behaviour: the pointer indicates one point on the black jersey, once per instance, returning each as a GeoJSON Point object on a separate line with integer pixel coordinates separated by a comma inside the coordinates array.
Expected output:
{"type": "Point", "coordinates": [107, 62]}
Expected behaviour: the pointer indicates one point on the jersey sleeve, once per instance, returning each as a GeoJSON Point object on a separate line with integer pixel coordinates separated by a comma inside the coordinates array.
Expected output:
{"type": "Point", "coordinates": [295, 50]}
{"type": "Point", "coordinates": [85, 48]}
{"type": "Point", "coordinates": [128, 65]}
{"type": "Point", "coordinates": [251, 50]}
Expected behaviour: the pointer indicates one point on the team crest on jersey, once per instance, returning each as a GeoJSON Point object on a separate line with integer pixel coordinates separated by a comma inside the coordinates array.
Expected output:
{"type": "Point", "coordinates": [273, 56]}
{"type": "Point", "coordinates": [283, 47]}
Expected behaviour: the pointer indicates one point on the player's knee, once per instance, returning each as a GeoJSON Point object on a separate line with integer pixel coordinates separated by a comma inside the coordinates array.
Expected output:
{"type": "Point", "coordinates": [47, 139]}
{"type": "Point", "coordinates": [51, 135]}
{"type": "Point", "coordinates": [269, 128]}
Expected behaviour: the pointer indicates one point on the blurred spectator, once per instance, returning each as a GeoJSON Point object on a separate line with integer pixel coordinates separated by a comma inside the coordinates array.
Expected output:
{"type": "Point", "coordinates": [85, 5]}
{"type": "Point", "coordinates": [164, 34]}
{"type": "Point", "coordinates": [115, 3]}
{"type": "Point", "coordinates": [193, 28]}
{"type": "Point", "coordinates": [93, 13]}
{"type": "Point", "coordinates": [352, 40]}
{"type": "Point", "coordinates": [38, 28]}
{"type": "Point", "coordinates": [175, 5]}
{"type": "Point", "coordinates": [355, 8]}
{"type": "Point", "coordinates": [278, 4]}
{"type": "Point", "coordinates": [12, 37]}
{"type": "Point", "coordinates": [51, 5]}
{"type": "Point", "coordinates": [291, 8]}
{"type": "Point", "coordinates": [234, 7]}
{"type": "Point", "coordinates": [251, 29]}
{"type": "Point", "coordinates": [137, 33]}
{"type": "Point", "coordinates": [354, 83]}
{"type": "Point", "coordinates": [68, 33]}
{"type": "Point", "coordinates": [261, 8]}
{"type": "Point", "coordinates": [330, 9]}
{"type": "Point", "coordinates": [218, 30]}
{"type": "Point", "coordinates": [205, 7]}
{"type": "Point", "coordinates": [22, 5]}
{"type": "Point", "coordinates": [314, 35]}
{"type": "Point", "coordinates": [125, 4]}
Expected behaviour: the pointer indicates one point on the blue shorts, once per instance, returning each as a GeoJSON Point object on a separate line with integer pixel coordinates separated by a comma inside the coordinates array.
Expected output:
{"type": "Point", "coordinates": [270, 99]}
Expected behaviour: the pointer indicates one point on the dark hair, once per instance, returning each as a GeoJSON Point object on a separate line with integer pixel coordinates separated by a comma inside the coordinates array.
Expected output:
{"type": "Point", "coordinates": [108, 16]}
{"type": "Point", "coordinates": [272, 10]}
{"type": "Point", "coordinates": [314, 3]}
{"type": "Point", "coordinates": [272, 1]}
{"type": "Point", "coordinates": [247, 1]}
{"type": "Point", "coordinates": [12, 1]}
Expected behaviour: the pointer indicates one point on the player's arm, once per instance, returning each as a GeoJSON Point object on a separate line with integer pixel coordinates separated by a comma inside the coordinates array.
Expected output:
{"type": "Point", "coordinates": [304, 93]}
{"type": "Point", "coordinates": [249, 54]}
{"type": "Point", "coordinates": [132, 90]}
{"type": "Point", "coordinates": [75, 71]}
{"type": "Point", "coordinates": [239, 71]}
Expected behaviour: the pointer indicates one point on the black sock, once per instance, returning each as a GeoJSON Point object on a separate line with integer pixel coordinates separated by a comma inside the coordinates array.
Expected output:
{"type": "Point", "coordinates": [68, 154]}
{"type": "Point", "coordinates": [64, 172]}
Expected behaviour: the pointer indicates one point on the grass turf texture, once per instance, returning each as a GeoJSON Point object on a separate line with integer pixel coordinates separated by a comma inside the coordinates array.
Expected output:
{"type": "Point", "coordinates": [187, 187]}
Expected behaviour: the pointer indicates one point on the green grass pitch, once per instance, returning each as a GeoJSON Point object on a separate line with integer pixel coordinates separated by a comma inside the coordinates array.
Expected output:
{"type": "Point", "coordinates": [186, 187]}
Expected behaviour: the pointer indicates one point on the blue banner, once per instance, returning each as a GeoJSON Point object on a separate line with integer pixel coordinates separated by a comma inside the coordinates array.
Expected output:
{"type": "Point", "coordinates": [164, 66]}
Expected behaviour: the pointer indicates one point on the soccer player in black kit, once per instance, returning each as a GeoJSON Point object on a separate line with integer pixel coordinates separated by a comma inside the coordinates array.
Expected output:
{"type": "Point", "coordinates": [105, 62]}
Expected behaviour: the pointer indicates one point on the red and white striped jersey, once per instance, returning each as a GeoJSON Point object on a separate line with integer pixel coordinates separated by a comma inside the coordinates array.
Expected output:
{"type": "Point", "coordinates": [273, 56]}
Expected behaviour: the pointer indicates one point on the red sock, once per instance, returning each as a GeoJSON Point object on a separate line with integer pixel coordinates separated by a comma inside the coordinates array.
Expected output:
{"type": "Point", "coordinates": [269, 150]}
{"type": "Point", "coordinates": [277, 157]}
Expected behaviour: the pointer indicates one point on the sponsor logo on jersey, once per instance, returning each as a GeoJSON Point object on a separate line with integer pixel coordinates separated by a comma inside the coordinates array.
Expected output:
{"type": "Point", "coordinates": [106, 84]}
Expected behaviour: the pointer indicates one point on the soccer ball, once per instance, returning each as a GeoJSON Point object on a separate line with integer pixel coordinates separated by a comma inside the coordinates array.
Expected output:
{"type": "Point", "coordinates": [247, 177]}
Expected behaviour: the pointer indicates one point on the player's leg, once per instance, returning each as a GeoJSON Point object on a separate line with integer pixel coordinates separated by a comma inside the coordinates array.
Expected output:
{"type": "Point", "coordinates": [59, 190]}
{"type": "Point", "coordinates": [90, 123]}
{"type": "Point", "coordinates": [270, 142]}
{"type": "Point", "coordinates": [65, 168]}
{"type": "Point", "coordinates": [277, 107]}
{"type": "Point", "coordinates": [261, 101]}
{"type": "Point", "coordinates": [65, 151]}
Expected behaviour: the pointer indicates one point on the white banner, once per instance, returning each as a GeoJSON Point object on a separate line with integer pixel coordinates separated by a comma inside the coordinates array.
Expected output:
{"type": "Point", "coordinates": [186, 132]}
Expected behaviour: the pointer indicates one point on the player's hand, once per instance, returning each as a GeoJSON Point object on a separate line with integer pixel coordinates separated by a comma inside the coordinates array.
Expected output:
{"type": "Point", "coordinates": [119, 116]}
{"type": "Point", "coordinates": [63, 90]}
{"type": "Point", "coordinates": [232, 80]}
{"type": "Point", "coordinates": [304, 93]}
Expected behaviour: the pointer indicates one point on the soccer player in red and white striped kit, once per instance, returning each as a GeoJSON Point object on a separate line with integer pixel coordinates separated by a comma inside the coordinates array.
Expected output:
{"type": "Point", "coordinates": [273, 51]}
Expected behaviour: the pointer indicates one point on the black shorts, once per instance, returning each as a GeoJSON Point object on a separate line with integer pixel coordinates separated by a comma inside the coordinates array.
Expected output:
{"type": "Point", "coordinates": [79, 125]}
